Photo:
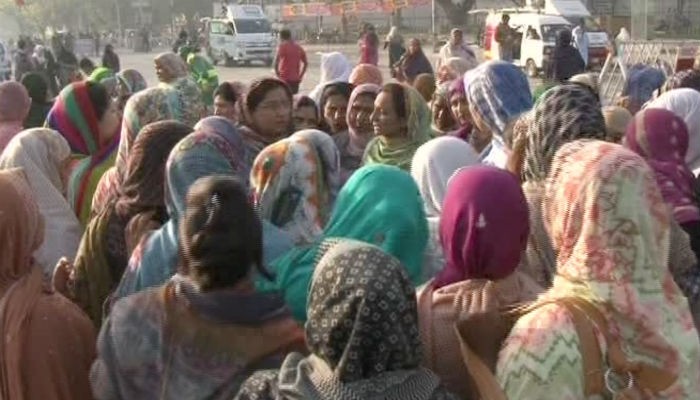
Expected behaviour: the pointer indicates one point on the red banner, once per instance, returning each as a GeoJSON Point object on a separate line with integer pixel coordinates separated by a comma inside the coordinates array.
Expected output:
{"type": "Point", "coordinates": [317, 9]}
{"type": "Point", "coordinates": [293, 10]}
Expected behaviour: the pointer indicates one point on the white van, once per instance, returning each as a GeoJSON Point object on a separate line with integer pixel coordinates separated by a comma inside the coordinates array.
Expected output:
{"type": "Point", "coordinates": [537, 36]}
{"type": "Point", "coordinates": [245, 35]}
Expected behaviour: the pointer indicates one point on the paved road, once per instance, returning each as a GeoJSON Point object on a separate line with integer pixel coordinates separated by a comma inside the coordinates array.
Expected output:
{"type": "Point", "coordinates": [144, 63]}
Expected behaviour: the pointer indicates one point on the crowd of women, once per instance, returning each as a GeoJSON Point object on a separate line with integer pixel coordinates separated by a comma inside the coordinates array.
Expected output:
{"type": "Point", "coordinates": [349, 244]}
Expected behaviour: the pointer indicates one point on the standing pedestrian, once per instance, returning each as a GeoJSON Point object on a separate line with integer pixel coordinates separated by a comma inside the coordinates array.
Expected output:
{"type": "Point", "coordinates": [394, 41]}
{"type": "Point", "coordinates": [369, 46]}
{"type": "Point", "coordinates": [566, 60]}
{"type": "Point", "coordinates": [456, 48]}
{"type": "Point", "coordinates": [505, 36]}
{"type": "Point", "coordinates": [581, 40]}
{"type": "Point", "coordinates": [110, 59]}
{"type": "Point", "coordinates": [290, 61]}
{"type": "Point", "coordinates": [413, 63]}
{"type": "Point", "coordinates": [23, 62]}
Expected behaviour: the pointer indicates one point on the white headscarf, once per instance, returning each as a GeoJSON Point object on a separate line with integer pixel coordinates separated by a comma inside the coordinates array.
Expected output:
{"type": "Point", "coordinates": [41, 153]}
{"type": "Point", "coordinates": [686, 104]}
{"type": "Point", "coordinates": [624, 35]}
{"type": "Point", "coordinates": [434, 164]}
{"type": "Point", "coordinates": [335, 67]}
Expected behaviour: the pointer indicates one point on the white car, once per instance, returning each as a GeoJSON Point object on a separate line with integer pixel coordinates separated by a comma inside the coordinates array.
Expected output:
{"type": "Point", "coordinates": [5, 63]}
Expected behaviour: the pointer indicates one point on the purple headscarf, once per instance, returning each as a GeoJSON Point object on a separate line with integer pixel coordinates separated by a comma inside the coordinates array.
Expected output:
{"type": "Point", "coordinates": [484, 225]}
{"type": "Point", "coordinates": [457, 88]}
{"type": "Point", "coordinates": [661, 138]}
{"type": "Point", "coordinates": [367, 88]}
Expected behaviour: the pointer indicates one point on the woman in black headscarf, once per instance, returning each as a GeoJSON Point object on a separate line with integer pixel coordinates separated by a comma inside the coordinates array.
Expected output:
{"type": "Point", "coordinates": [566, 60]}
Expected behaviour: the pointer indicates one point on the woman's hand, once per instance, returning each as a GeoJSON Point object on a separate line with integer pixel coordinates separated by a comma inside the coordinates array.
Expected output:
{"type": "Point", "coordinates": [63, 274]}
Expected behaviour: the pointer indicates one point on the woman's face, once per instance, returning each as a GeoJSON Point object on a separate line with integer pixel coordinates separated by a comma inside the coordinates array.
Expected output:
{"type": "Point", "coordinates": [109, 124]}
{"type": "Point", "coordinates": [444, 120]}
{"type": "Point", "coordinates": [460, 110]}
{"type": "Point", "coordinates": [305, 118]}
{"type": "Point", "coordinates": [226, 109]}
{"type": "Point", "coordinates": [482, 132]}
{"type": "Point", "coordinates": [414, 46]}
{"type": "Point", "coordinates": [359, 115]}
{"type": "Point", "coordinates": [163, 72]}
{"type": "Point", "coordinates": [273, 116]}
{"type": "Point", "coordinates": [385, 120]}
{"type": "Point", "coordinates": [334, 113]}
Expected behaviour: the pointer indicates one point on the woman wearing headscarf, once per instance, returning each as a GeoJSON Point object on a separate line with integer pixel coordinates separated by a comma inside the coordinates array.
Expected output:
{"type": "Point", "coordinates": [613, 257]}
{"type": "Point", "coordinates": [616, 121]}
{"type": "Point", "coordinates": [14, 108]}
{"type": "Point", "coordinates": [362, 334]}
{"type": "Point", "coordinates": [641, 84]}
{"type": "Point", "coordinates": [366, 73]}
{"type": "Point", "coordinates": [204, 332]}
{"type": "Point", "coordinates": [176, 98]}
{"type": "Point", "coordinates": [686, 104]}
{"type": "Point", "coordinates": [563, 114]}
{"type": "Point", "coordinates": [401, 121]}
{"type": "Point", "coordinates": [442, 119]}
{"type": "Point", "coordinates": [352, 144]}
{"type": "Point", "coordinates": [334, 107]}
{"type": "Point", "coordinates": [483, 230]}
{"type": "Point", "coordinates": [289, 190]}
{"type": "Point", "coordinates": [433, 165]}
{"type": "Point", "coordinates": [113, 233]}
{"type": "Point", "coordinates": [305, 113]}
{"type": "Point", "coordinates": [369, 46]}
{"type": "Point", "coordinates": [688, 78]}
{"type": "Point", "coordinates": [215, 148]}
{"type": "Point", "coordinates": [588, 80]}
{"type": "Point", "coordinates": [379, 205]}
{"type": "Point", "coordinates": [110, 59]}
{"type": "Point", "coordinates": [459, 106]}
{"type": "Point", "coordinates": [204, 73]}
{"type": "Point", "coordinates": [43, 154]}
{"type": "Point", "coordinates": [425, 85]}
{"type": "Point", "coordinates": [566, 60]}
{"type": "Point", "coordinates": [413, 63]}
{"type": "Point", "coordinates": [38, 91]}
{"type": "Point", "coordinates": [394, 41]}
{"type": "Point", "coordinates": [661, 138]}
{"type": "Point", "coordinates": [88, 119]}
{"type": "Point", "coordinates": [329, 159]}
{"type": "Point", "coordinates": [498, 93]}
{"type": "Point", "coordinates": [48, 343]}
{"type": "Point", "coordinates": [267, 117]}
{"type": "Point", "coordinates": [455, 68]}
{"type": "Point", "coordinates": [130, 82]}
{"type": "Point", "coordinates": [335, 67]}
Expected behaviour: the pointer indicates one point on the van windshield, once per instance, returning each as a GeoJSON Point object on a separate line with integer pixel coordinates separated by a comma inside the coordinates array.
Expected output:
{"type": "Point", "coordinates": [252, 26]}
{"type": "Point", "coordinates": [549, 32]}
{"type": "Point", "coordinates": [590, 24]}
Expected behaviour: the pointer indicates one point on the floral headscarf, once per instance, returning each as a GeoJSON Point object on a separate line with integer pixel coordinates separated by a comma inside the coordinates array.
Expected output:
{"type": "Point", "coordinates": [132, 81]}
{"type": "Point", "coordinates": [610, 224]}
{"type": "Point", "coordinates": [287, 183]}
{"type": "Point", "coordinates": [661, 138]}
{"type": "Point", "coordinates": [689, 78]}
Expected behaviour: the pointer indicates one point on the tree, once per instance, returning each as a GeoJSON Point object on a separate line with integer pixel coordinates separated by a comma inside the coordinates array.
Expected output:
{"type": "Point", "coordinates": [456, 10]}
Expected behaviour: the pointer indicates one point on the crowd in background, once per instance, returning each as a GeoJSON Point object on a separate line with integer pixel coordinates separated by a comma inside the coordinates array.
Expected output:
{"type": "Point", "coordinates": [200, 239]}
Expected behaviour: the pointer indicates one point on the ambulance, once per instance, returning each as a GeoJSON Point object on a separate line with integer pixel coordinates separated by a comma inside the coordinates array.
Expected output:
{"type": "Point", "coordinates": [239, 34]}
{"type": "Point", "coordinates": [537, 26]}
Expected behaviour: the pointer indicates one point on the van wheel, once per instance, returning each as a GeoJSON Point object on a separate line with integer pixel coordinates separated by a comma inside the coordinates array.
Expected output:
{"type": "Point", "coordinates": [531, 69]}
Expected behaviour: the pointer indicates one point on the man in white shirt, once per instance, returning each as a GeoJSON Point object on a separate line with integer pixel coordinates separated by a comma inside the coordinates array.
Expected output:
{"type": "Point", "coordinates": [455, 48]}
{"type": "Point", "coordinates": [581, 40]}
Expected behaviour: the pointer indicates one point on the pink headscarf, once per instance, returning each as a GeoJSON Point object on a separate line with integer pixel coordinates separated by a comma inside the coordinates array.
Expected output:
{"type": "Point", "coordinates": [484, 225]}
{"type": "Point", "coordinates": [661, 138]}
{"type": "Point", "coordinates": [14, 107]}
{"type": "Point", "coordinates": [366, 73]}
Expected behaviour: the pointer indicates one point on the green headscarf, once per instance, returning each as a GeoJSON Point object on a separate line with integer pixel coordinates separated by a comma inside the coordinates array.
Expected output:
{"type": "Point", "coordinates": [399, 151]}
{"type": "Point", "coordinates": [205, 75]}
{"type": "Point", "coordinates": [106, 77]}
{"type": "Point", "coordinates": [380, 205]}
